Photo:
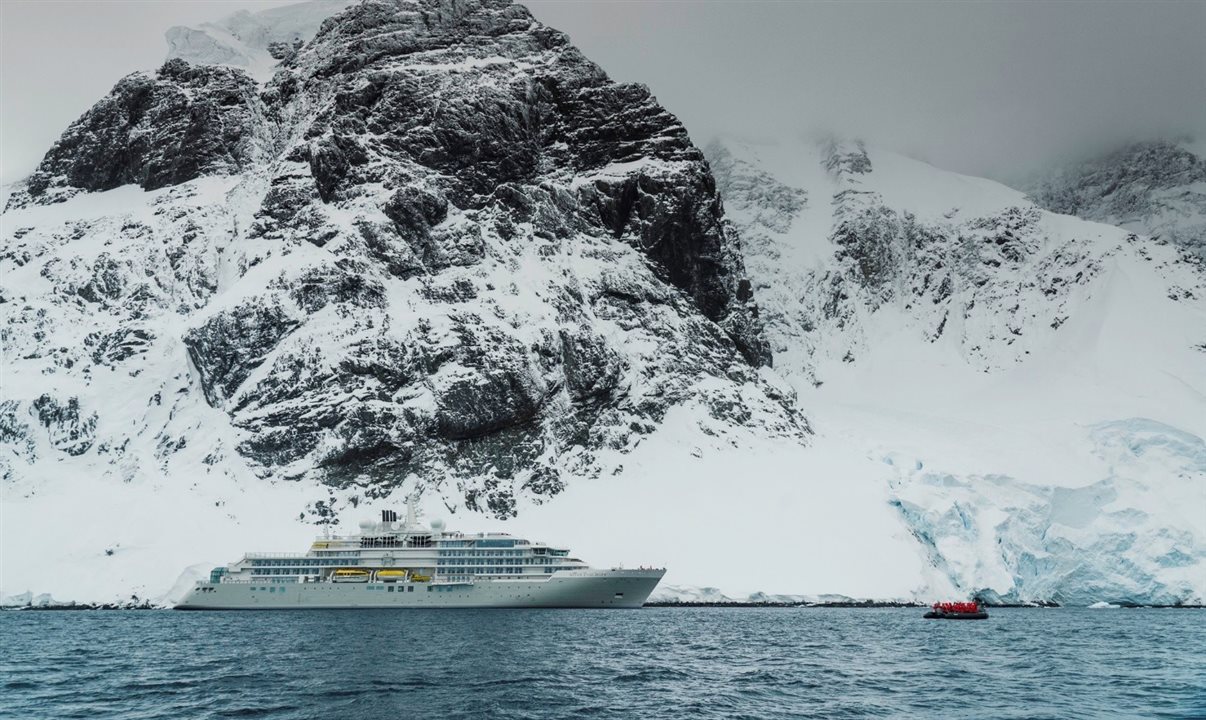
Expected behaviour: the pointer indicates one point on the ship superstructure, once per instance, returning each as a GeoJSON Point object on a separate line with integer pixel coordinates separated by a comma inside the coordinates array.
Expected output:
{"type": "Point", "coordinates": [392, 563]}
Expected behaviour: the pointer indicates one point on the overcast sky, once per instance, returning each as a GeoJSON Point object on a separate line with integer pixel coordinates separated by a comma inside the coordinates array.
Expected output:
{"type": "Point", "coordinates": [985, 88]}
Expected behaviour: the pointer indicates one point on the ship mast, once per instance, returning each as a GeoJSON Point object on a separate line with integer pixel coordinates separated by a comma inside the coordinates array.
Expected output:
{"type": "Point", "coordinates": [412, 511]}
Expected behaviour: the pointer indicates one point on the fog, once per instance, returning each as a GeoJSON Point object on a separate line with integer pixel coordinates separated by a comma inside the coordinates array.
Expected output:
{"type": "Point", "coordinates": [997, 89]}
{"type": "Point", "coordinates": [58, 57]}
{"type": "Point", "coordinates": [984, 88]}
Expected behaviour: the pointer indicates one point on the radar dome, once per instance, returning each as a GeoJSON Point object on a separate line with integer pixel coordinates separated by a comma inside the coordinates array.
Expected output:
{"type": "Point", "coordinates": [366, 525]}
{"type": "Point", "coordinates": [437, 525]}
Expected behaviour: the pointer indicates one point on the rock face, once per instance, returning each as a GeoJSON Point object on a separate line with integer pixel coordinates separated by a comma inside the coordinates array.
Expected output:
{"type": "Point", "coordinates": [990, 274]}
{"type": "Point", "coordinates": [155, 131]}
{"type": "Point", "coordinates": [440, 247]}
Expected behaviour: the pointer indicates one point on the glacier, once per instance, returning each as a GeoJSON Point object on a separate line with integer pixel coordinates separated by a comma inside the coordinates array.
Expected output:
{"type": "Point", "coordinates": [1130, 537]}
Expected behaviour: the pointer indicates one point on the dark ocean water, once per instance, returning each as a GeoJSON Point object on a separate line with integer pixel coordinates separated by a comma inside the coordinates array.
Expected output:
{"type": "Point", "coordinates": [651, 663]}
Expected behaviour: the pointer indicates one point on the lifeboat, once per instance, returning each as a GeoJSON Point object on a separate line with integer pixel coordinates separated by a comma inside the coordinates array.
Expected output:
{"type": "Point", "coordinates": [391, 575]}
{"type": "Point", "coordinates": [957, 611]}
{"type": "Point", "coordinates": [350, 575]}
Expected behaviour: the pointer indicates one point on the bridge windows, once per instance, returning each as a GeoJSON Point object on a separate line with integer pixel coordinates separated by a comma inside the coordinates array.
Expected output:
{"type": "Point", "coordinates": [380, 542]}
{"type": "Point", "coordinates": [496, 543]}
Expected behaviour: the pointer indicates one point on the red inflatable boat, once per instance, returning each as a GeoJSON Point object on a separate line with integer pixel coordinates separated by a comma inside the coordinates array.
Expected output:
{"type": "Point", "coordinates": [957, 611]}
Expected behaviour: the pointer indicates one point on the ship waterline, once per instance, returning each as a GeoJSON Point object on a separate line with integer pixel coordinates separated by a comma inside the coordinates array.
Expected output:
{"type": "Point", "coordinates": [392, 564]}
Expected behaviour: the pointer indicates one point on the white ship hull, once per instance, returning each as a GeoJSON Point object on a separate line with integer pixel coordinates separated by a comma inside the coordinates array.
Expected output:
{"type": "Point", "coordinates": [565, 589]}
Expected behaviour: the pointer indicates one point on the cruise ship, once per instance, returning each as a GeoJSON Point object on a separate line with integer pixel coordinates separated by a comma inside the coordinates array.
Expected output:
{"type": "Point", "coordinates": [403, 564]}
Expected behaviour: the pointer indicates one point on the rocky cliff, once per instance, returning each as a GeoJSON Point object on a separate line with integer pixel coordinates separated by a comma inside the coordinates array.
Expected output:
{"type": "Point", "coordinates": [439, 249]}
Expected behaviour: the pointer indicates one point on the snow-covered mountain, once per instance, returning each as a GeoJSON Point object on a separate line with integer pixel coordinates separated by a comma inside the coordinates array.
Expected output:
{"type": "Point", "coordinates": [1155, 188]}
{"type": "Point", "coordinates": [1036, 383]}
{"type": "Point", "coordinates": [437, 249]}
{"type": "Point", "coordinates": [255, 41]}
{"type": "Point", "coordinates": [466, 260]}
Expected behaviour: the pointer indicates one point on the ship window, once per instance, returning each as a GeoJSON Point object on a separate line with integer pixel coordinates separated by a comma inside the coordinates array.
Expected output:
{"type": "Point", "coordinates": [410, 588]}
{"type": "Point", "coordinates": [391, 588]}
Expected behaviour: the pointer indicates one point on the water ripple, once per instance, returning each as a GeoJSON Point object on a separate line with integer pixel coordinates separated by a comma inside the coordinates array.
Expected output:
{"type": "Point", "coordinates": [541, 665]}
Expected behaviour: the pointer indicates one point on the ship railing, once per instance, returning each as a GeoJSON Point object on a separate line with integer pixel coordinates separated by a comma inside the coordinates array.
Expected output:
{"type": "Point", "coordinates": [281, 580]}
{"type": "Point", "coordinates": [263, 555]}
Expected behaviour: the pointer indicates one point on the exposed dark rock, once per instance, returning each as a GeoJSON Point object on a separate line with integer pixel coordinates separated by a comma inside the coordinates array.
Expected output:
{"type": "Point", "coordinates": [285, 51]}
{"type": "Point", "coordinates": [230, 345]}
{"type": "Point", "coordinates": [15, 433]}
{"type": "Point", "coordinates": [156, 130]}
{"type": "Point", "coordinates": [115, 347]}
{"type": "Point", "coordinates": [70, 431]}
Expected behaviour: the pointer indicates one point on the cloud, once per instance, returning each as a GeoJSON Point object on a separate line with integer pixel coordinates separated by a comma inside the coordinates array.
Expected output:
{"type": "Point", "coordinates": [984, 88]}
{"type": "Point", "coordinates": [992, 89]}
